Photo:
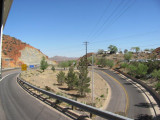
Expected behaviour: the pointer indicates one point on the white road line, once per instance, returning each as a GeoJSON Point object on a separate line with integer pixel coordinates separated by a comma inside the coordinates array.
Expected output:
{"type": "Point", "coordinates": [6, 76]}
{"type": "Point", "coordinates": [145, 93]}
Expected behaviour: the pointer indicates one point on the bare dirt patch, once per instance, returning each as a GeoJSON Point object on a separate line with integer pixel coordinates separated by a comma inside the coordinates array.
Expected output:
{"type": "Point", "coordinates": [48, 78]}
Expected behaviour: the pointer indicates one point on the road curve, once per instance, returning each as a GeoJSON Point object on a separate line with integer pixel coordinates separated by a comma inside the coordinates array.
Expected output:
{"type": "Point", "coordinates": [16, 104]}
{"type": "Point", "coordinates": [137, 104]}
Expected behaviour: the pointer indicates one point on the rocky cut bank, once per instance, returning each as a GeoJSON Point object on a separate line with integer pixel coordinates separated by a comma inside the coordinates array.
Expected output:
{"type": "Point", "coordinates": [15, 53]}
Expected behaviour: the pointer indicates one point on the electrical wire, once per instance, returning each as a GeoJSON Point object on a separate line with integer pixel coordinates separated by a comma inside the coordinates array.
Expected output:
{"type": "Point", "coordinates": [113, 20]}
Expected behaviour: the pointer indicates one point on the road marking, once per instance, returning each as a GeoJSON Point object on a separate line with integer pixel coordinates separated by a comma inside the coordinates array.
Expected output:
{"type": "Point", "coordinates": [149, 98]}
{"type": "Point", "coordinates": [127, 104]}
{"type": "Point", "coordinates": [6, 76]}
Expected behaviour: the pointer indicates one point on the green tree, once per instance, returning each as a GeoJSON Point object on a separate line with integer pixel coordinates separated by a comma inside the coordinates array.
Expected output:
{"type": "Point", "coordinates": [136, 49]}
{"type": "Point", "coordinates": [125, 51]}
{"type": "Point", "coordinates": [61, 77]}
{"type": "Point", "coordinates": [113, 49]}
{"type": "Point", "coordinates": [63, 64]}
{"type": "Point", "coordinates": [110, 63]}
{"type": "Point", "coordinates": [43, 64]}
{"type": "Point", "coordinates": [156, 74]}
{"type": "Point", "coordinates": [53, 68]}
{"type": "Point", "coordinates": [71, 63]}
{"type": "Point", "coordinates": [71, 78]}
{"type": "Point", "coordinates": [84, 81]}
{"type": "Point", "coordinates": [102, 62]}
{"type": "Point", "coordinates": [128, 56]}
{"type": "Point", "coordinates": [100, 51]}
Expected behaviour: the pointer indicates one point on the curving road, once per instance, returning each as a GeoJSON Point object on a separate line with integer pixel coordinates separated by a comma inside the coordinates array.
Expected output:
{"type": "Point", "coordinates": [125, 96]}
{"type": "Point", "coordinates": [16, 104]}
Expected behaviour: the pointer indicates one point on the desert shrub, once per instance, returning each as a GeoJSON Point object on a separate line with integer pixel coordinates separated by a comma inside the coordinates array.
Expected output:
{"type": "Point", "coordinates": [124, 65]}
{"type": "Point", "coordinates": [53, 68]}
{"type": "Point", "coordinates": [47, 88]}
{"type": "Point", "coordinates": [128, 56]}
{"type": "Point", "coordinates": [110, 63]}
{"type": "Point", "coordinates": [157, 86]}
{"type": "Point", "coordinates": [102, 62]}
{"type": "Point", "coordinates": [132, 70]}
{"type": "Point", "coordinates": [156, 74]}
{"type": "Point", "coordinates": [141, 70]}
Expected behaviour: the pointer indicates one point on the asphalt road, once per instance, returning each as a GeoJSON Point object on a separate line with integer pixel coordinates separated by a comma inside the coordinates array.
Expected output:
{"type": "Point", "coordinates": [16, 104]}
{"type": "Point", "coordinates": [136, 104]}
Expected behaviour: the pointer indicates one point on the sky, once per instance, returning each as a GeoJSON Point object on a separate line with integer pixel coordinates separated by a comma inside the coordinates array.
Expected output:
{"type": "Point", "coordinates": [60, 27]}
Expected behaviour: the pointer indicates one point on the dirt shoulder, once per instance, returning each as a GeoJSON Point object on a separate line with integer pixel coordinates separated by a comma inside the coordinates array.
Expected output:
{"type": "Point", "coordinates": [48, 78]}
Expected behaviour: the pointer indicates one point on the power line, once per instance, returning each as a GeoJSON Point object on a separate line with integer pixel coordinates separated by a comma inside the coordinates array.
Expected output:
{"type": "Point", "coordinates": [108, 18]}
{"type": "Point", "coordinates": [100, 19]}
{"type": "Point", "coordinates": [129, 36]}
{"type": "Point", "coordinates": [112, 21]}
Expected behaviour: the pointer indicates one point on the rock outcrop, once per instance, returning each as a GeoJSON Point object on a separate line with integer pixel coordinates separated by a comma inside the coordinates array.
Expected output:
{"type": "Point", "coordinates": [15, 53]}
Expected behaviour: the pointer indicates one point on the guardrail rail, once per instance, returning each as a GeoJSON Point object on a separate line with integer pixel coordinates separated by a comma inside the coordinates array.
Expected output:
{"type": "Point", "coordinates": [90, 109]}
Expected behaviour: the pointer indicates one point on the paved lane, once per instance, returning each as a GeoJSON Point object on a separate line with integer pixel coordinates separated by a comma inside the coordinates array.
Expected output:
{"type": "Point", "coordinates": [16, 104]}
{"type": "Point", "coordinates": [137, 104]}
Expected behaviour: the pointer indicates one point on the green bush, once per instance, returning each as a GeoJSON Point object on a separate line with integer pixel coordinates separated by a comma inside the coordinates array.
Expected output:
{"type": "Point", "coordinates": [102, 62]}
{"type": "Point", "coordinates": [53, 68]}
{"type": "Point", "coordinates": [138, 70]}
{"type": "Point", "coordinates": [124, 65]}
{"type": "Point", "coordinates": [132, 70]}
{"type": "Point", "coordinates": [128, 56]}
{"type": "Point", "coordinates": [141, 70]}
{"type": "Point", "coordinates": [47, 88]}
{"type": "Point", "coordinates": [110, 63]}
{"type": "Point", "coordinates": [156, 74]}
{"type": "Point", "coordinates": [157, 86]}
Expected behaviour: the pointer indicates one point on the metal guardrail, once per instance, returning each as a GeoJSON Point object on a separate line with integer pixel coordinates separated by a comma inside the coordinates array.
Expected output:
{"type": "Point", "coordinates": [8, 69]}
{"type": "Point", "coordinates": [90, 109]}
{"type": "Point", "coordinates": [155, 95]}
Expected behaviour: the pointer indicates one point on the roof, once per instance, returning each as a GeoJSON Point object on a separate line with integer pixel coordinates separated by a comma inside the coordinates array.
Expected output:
{"type": "Point", "coordinates": [7, 6]}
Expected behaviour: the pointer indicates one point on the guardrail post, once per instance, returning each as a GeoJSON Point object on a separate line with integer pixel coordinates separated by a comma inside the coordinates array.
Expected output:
{"type": "Point", "coordinates": [91, 115]}
{"type": "Point", "coordinates": [74, 104]}
{"type": "Point", "coordinates": [72, 107]}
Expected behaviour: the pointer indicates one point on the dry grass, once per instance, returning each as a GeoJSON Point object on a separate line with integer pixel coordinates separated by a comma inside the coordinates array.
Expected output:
{"type": "Point", "coordinates": [48, 78]}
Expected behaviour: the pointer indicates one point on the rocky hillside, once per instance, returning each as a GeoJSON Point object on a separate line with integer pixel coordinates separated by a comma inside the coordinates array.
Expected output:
{"type": "Point", "coordinates": [15, 52]}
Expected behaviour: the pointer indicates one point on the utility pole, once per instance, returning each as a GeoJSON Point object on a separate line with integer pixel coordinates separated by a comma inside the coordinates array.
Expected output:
{"type": "Point", "coordinates": [86, 43]}
{"type": "Point", "coordinates": [92, 81]}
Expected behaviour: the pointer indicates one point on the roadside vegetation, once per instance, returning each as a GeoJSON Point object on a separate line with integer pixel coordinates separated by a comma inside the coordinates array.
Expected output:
{"type": "Point", "coordinates": [143, 65]}
{"type": "Point", "coordinates": [43, 64]}
{"type": "Point", "coordinates": [73, 82]}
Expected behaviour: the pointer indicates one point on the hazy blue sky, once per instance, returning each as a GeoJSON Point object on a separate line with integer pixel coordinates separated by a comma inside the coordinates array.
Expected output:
{"type": "Point", "coordinates": [59, 27]}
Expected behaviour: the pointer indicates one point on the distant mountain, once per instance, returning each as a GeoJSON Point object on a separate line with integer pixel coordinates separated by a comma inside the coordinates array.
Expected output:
{"type": "Point", "coordinates": [15, 53]}
{"type": "Point", "coordinates": [62, 58]}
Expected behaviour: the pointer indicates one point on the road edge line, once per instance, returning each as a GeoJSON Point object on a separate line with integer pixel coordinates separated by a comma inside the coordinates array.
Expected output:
{"type": "Point", "coordinates": [127, 104]}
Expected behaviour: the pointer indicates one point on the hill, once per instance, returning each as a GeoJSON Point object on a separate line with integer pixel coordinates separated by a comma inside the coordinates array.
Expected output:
{"type": "Point", "coordinates": [62, 58]}
{"type": "Point", "coordinates": [15, 53]}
